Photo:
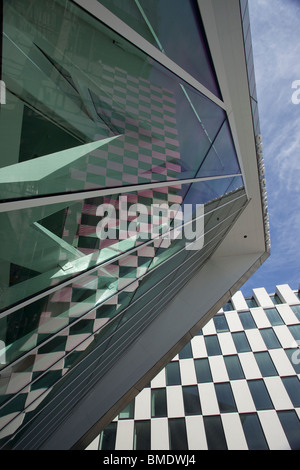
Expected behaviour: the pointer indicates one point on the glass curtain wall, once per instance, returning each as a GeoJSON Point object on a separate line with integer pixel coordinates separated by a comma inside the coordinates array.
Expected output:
{"type": "Point", "coordinates": [91, 123]}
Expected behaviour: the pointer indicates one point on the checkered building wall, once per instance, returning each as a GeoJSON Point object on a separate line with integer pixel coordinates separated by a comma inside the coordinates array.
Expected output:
{"type": "Point", "coordinates": [234, 386]}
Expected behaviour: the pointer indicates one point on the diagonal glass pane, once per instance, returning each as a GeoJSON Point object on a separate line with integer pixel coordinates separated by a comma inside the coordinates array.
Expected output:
{"type": "Point", "coordinates": [221, 157]}
{"type": "Point", "coordinates": [159, 21]}
{"type": "Point", "coordinates": [64, 98]}
{"type": "Point", "coordinates": [46, 245]}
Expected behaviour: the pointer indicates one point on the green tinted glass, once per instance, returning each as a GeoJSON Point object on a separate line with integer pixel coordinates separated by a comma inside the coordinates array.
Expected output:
{"type": "Point", "coordinates": [80, 116]}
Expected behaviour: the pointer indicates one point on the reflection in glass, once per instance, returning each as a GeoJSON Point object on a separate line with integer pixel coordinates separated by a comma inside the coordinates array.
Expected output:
{"type": "Point", "coordinates": [234, 367]}
{"type": "Point", "coordinates": [128, 411]}
{"type": "Point", "coordinates": [46, 245]}
{"type": "Point", "coordinates": [260, 394]}
{"type": "Point", "coordinates": [158, 403]}
{"type": "Point", "coordinates": [221, 324]}
{"type": "Point", "coordinates": [159, 23]}
{"type": "Point", "coordinates": [212, 345]}
{"type": "Point", "coordinates": [247, 320]}
{"type": "Point", "coordinates": [80, 117]}
{"type": "Point", "coordinates": [101, 116]}
{"type": "Point", "coordinates": [291, 425]}
{"type": "Point", "coordinates": [186, 352]}
{"type": "Point", "coordinates": [214, 431]}
{"type": "Point", "coordinates": [293, 354]}
{"type": "Point", "coordinates": [241, 341]}
{"type": "Point", "coordinates": [265, 364]}
{"type": "Point", "coordinates": [273, 316]}
{"type": "Point", "coordinates": [173, 373]}
{"type": "Point", "coordinates": [142, 435]}
{"type": "Point", "coordinates": [108, 437]}
{"type": "Point", "coordinates": [253, 432]}
{"type": "Point", "coordinates": [191, 400]}
{"type": "Point", "coordinates": [177, 434]}
{"type": "Point", "coordinates": [292, 385]}
{"type": "Point", "coordinates": [251, 302]}
{"type": "Point", "coordinates": [270, 338]}
{"type": "Point", "coordinates": [225, 397]}
{"type": "Point", "coordinates": [295, 331]}
{"type": "Point", "coordinates": [203, 371]}
{"type": "Point", "coordinates": [296, 310]}
{"type": "Point", "coordinates": [228, 306]}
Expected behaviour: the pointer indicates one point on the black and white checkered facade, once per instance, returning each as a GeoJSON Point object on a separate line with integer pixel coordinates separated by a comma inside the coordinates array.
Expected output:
{"type": "Point", "coordinates": [235, 386]}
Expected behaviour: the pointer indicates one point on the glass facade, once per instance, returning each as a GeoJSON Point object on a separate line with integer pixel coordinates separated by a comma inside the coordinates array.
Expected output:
{"type": "Point", "coordinates": [160, 23]}
{"type": "Point", "coordinates": [96, 133]}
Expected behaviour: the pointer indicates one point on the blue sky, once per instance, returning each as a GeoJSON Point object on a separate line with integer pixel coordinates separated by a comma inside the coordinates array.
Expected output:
{"type": "Point", "coordinates": [275, 28]}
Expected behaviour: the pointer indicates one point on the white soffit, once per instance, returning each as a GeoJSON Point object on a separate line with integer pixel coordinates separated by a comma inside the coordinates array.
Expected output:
{"type": "Point", "coordinates": [223, 27]}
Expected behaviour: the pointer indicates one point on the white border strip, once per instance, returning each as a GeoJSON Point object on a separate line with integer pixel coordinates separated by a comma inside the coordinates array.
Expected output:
{"type": "Point", "coordinates": [87, 194]}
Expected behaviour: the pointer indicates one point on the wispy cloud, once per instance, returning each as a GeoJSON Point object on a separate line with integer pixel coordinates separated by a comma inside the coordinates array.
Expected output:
{"type": "Point", "coordinates": [275, 27]}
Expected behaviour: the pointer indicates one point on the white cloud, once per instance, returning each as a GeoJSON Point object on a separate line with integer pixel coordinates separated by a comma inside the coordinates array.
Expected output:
{"type": "Point", "coordinates": [275, 27]}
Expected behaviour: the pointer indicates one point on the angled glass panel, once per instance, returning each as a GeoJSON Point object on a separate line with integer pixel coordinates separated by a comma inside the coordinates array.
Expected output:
{"type": "Point", "coordinates": [247, 320]}
{"type": "Point", "coordinates": [274, 317]}
{"type": "Point", "coordinates": [270, 338]}
{"type": "Point", "coordinates": [128, 412]}
{"type": "Point", "coordinates": [294, 356]}
{"type": "Point", "coordinates": [254, 434]}
{"type": "Point", "coordinates": [31, 378]}
{"type": "Point", "coordinates": [228, 306]}
{"type": "Point", "coordinates": [31, 325]}
{"type": "Point", "coordinates": [203, 371]}
{"type": "Point", "coordinates": [295, 331]}
{"type": "Point", "coordinates": [95, 343]}
{"type": "Point", "coordinates": [260, 394]}
{"type": "Point", "coordinates": [101, 116]}
{"type": "Point", "coordinates": [142, 435]}
{"type": "Point", "coordinates": [214, 431]}
{"type": "Point", "coordinates": [241, 342]}
{"type": "Point", "coordinates": [158, 402]}
{"type": "Point", "coordinates": [191, 400]}
{"type": "Point", "coordinates": [234, 368]}
{"type": "Point", "coordinates": [251, 302]}
{"type": "Point", "coordinates": [291, 425]}
{"type": "Point", "coordinates": [76, 316]}
{"type": "Point", "coordinates": [265, 364]}
{"type": "Point", "coordinates": [46, 245]}
{"type": "Point", "coordinates": [212, 345]}
{"type": "Point", "coordinates": [173, 373]}
{"type": "Point", "coordinates": [186, 352]}
{"type": "Point", "coordinates": [159, 23]}
{"type": "Point", "coordinates": [276, 299]}
{"type": "Point", "coordinates": [177, 434]}
{"type": "Point", "coordinates": [296, 310]}
{"type": "Point", "coordinates": [220, 323]}
{"type": "Point", "coordinates": [108, 437]}
{"type": "Point", "coordinates": [221, 158]}
{"type": "Point", "coordinates": [292, 385]}
{"type": "Point", "coordinates": [225, 397]}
